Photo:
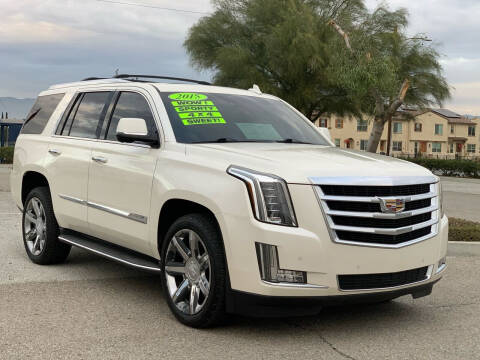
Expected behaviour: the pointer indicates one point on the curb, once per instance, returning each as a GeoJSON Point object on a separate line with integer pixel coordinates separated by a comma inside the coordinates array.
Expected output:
{"type": "Point", "coordinates": [463, 248]}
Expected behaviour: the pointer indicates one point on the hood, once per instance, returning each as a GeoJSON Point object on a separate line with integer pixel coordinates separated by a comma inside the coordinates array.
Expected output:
{"type": "Point", "coordinates": [296, 163]}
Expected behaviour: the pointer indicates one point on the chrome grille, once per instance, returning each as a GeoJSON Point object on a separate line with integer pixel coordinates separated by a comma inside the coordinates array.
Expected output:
{"type": "Point", "coordinates": [354, 216]}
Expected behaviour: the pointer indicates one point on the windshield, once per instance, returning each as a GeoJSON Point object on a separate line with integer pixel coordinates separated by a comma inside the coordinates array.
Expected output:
{"type": "Point", "coordinates": [211, 117]}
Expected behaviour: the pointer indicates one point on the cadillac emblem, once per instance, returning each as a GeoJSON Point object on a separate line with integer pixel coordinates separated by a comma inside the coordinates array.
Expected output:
{"type": "Point", "coordinates": [392, 205]}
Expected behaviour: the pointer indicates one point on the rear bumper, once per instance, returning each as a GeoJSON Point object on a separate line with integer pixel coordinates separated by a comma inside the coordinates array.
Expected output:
{"type": "Point", "coordinates": [242, 303]}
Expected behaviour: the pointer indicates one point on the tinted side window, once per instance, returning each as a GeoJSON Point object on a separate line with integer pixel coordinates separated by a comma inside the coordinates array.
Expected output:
{"type": "Point", "coordinates": [40, 114]}
{"type": "Point", "coordinates": [88, 118]}
{"type": "Point", "coordinates": [131, 105]}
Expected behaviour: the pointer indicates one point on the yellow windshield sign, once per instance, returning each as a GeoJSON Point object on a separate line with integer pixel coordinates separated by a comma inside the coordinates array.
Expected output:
{"type": "Point", "coordinates": [187, 96]}
{"type": "Point", "coordinates": [195, 109]}
{"type": "Point", "coordinates": [203, 121]}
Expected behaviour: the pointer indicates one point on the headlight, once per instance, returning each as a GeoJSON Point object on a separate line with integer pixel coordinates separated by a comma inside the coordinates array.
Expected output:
{"type": "Point", "coordinates": [440, 199]}
{"type": "Point", "coordinates": [269, 196]}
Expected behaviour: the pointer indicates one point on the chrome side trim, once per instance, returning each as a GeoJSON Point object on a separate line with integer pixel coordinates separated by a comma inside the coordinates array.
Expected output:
{"type": "Point", "coordinates": [109, 255]}
{"type": "Point", "coordinates": [373, 180]}
{"type": "Point", "coordinates": [293, 285]}
{"type": "Point", "coordinates": [73, 199]}
{"type": "Point", "coordinates": [132, 216]}
{"type": "Point", "coordinates": [428, 277]}
{"type": "Point", "coordinates": [128, 215]}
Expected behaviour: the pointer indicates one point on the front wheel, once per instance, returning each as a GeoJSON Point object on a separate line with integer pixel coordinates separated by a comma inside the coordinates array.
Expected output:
{"type": "Point", "coordinates": [193, 271]}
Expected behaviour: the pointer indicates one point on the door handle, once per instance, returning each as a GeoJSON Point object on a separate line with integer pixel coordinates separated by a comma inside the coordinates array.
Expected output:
{"type": "Point", "coordinates": [99, 159]}
{"type": "Point", "coordinates": [54, 152]}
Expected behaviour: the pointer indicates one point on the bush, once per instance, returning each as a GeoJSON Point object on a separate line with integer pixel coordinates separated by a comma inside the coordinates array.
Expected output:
{"type": "Point", "coordinates": [451, 167]}
{"type": "Point", "coordinates": [463, 230]}
{"type": "Point", "coordinates": [6, 155]}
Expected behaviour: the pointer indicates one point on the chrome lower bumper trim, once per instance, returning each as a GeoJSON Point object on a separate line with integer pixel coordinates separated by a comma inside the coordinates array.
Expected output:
{"type": "Point", "coordinates": [429, 276]}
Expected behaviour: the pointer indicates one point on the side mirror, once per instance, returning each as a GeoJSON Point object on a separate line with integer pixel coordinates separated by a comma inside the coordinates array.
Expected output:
{"type": "Point", "coordinates": [134, 129]}
{"type": "Point", "coordinates": [326, 134]}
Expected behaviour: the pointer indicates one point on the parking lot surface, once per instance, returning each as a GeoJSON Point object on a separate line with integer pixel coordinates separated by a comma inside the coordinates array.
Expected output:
{"type": "Point", "coordinates": [92, 308]}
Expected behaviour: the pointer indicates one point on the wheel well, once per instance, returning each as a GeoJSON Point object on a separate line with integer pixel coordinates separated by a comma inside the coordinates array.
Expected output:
{"type": "Point", "coordinates": [31, 180]}
{"type": "Point", "coordinates": [175, 208]}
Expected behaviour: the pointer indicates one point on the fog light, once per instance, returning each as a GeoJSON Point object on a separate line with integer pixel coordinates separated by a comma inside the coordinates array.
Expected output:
{"type": "Point", "coordinates": [442, 264]}
{"type": "Point", "coordinates": [267, 256]}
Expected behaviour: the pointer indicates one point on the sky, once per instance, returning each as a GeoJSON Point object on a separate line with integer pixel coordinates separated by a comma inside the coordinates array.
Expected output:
{"type": "Point", "coordinates": [55, 41]}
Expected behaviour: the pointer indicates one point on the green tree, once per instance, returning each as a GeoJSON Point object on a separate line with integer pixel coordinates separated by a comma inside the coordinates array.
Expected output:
{"type": "Point", "coordinates": [291, 48]}
{"type": "Point", "coordinates": [284, 46]}
{"type": "Point", "coordinates": [383, 68]}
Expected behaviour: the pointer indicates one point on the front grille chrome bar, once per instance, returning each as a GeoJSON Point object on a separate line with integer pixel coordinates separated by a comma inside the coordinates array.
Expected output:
{"type": "Point", "coordinates": [329, 215]}
{"type": "Point", "coordinates": [385, 231]}
{"type": "Point", "coordinates": [377, 215]}
{"type": "Point", "coordinates": [369, 199]}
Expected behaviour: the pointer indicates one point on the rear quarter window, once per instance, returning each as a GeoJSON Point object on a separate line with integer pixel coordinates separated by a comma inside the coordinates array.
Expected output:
{"type": "Point", "coordinates": [40, 113]}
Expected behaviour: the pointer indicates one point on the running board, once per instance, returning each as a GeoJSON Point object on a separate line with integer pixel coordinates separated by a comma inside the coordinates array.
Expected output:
{"type": "Point", "coordinates": [110, 251]}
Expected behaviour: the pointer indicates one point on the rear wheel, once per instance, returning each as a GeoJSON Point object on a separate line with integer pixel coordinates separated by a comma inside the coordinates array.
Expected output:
{"type": "Point", "coordinates": [40, 229]}
{"type": "Point", "coordinates": [193, 271]}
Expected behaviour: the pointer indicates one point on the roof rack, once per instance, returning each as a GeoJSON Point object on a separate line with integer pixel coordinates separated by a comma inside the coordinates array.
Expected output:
{"type": "Point", "coordinates": [93, 78]}
{"type": "Point", "coordinates": [132, 77]}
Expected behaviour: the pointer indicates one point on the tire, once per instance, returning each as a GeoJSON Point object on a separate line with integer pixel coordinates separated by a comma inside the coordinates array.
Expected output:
{"type": "Point", "coordinates": [186, 274]}
{"type": "Point", "coordinates": [40, 229]}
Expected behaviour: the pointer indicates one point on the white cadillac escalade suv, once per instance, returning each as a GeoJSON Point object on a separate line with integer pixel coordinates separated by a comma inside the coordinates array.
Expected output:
{"type": "Point", "coordinates": [234, 198]}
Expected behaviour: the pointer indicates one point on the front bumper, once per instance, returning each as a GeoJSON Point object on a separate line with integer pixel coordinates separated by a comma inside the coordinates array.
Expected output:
{"type": "Point", "coordinates": [309, 248]}
{"type": "Point", "coordinates": [282, 306]}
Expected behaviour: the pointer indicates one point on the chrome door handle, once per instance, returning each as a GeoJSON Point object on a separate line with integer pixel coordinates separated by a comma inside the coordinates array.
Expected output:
{"type": "Point", "coordinates": [54, 152]}
{"type": "Point", "coordinates": [99, 159]}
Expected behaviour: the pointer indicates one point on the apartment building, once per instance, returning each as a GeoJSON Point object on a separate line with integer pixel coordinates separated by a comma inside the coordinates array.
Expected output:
{"type": "Point", "coordinates": [429, 132]}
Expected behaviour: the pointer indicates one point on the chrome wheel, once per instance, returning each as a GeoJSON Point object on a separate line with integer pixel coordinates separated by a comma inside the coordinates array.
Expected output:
{"type": "Point", "coordinates": [187, 271]}
{"type": "Point", "coordinates": [35, 226]}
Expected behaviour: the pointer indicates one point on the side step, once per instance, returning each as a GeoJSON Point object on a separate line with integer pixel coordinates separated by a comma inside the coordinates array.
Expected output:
{"type": "Point", "coordinates": [110, 251]}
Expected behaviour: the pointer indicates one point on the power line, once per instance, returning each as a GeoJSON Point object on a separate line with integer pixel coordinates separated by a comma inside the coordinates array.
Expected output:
{"type": "Point", "coordinates": [154, 7]}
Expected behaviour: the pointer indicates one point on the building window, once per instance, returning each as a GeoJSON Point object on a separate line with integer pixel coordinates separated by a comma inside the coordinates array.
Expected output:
{"type": "Point", "coordinates": [436, 147]}
{"type": "Point", "coordinates": [397, 127]}
{"type": "Point", "coordinates": [362, 125]}
{"type": "Point", "coordinates": [471, 148]}
{"type": "Point", "coordinates": [397, 146]}
{"type": "Point", "coordinates": [337, 142]}
{"type": "Point", "coordinates": [452, 129]}
{"type": "Point", "coordinates": [323, 123]}
{"type": "Point", "coordinates": [471, 130]}
{"type": "Point", "coordinates": [451, 148]}
{"type": "Point", "coordinates": [339, 123]}
{"type": "Point", "coordinates": [363, 144]}
{"type": "Point", "coordinates": [418, 127]}
{"type": "Point", "coordinates": [438, 129]}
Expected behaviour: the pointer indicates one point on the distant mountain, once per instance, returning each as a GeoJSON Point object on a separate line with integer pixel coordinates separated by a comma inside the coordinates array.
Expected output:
{"type": "Point", "coordinates": [16, 108]}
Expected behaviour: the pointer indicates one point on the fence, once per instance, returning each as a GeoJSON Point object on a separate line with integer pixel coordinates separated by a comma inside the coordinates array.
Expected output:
{"type": "Point", "coordinates": [471, 157]}
{"type": "Point", "coordinates": [9, 133]}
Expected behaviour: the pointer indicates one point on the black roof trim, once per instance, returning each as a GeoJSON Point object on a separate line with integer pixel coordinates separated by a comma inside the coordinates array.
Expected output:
{"type": "Point", "coordinates": [131, 76]}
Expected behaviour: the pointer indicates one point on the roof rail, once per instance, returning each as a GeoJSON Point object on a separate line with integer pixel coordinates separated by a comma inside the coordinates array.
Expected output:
{"type": "Point", "coordinates": [93, 78]}
{"type": "Point", "coordinates": [132, 76]}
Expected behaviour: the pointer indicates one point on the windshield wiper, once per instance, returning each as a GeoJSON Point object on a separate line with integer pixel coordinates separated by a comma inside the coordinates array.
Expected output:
{"type": "Point", "coordinates": [293, 141]}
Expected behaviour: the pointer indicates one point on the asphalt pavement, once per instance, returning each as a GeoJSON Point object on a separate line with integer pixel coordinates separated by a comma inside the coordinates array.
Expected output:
{"type": "Point", "coordinates": [92, 308]}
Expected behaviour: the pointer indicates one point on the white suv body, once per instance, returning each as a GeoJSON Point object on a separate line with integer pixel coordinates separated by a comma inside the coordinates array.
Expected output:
{"type": "Point", "coordinates": [348, 233]}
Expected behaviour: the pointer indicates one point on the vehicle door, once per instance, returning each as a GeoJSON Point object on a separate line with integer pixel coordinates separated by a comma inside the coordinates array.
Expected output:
{"type": "Point", "coordinates": [70, 156]}
{"type": "Point", "coordinates": [121, 175]}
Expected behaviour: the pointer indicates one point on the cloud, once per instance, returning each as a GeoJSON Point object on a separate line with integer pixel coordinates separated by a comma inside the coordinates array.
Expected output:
{"type": "Point", "coordinates": [47, 42]}
{"type": "Point", "coordinates": [51, 41]}
{"type": "Point", "coordinates": [465, 99]}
